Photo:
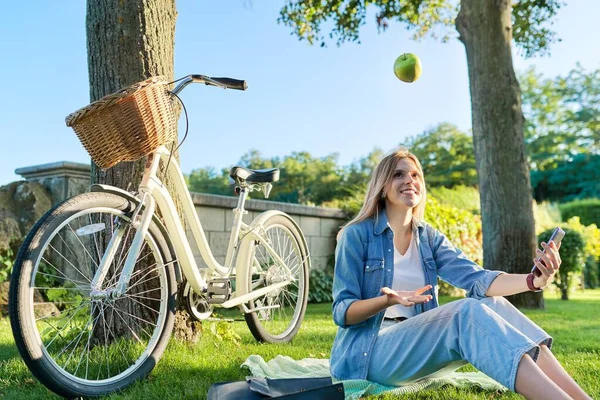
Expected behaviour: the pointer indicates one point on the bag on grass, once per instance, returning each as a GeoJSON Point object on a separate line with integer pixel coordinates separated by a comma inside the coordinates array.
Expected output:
{"type": "Point", "coordinates": [284, 389]}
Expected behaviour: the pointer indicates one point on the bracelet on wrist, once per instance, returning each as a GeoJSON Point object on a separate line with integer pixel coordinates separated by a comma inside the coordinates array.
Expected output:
{"type": "Point", "coordinates": [530, 284]}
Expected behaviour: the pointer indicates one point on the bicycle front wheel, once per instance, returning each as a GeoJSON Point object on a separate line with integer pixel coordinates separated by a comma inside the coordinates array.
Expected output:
{"type": "Point", "coordinates": [83, 343]}
{"type": "Point", "coordinates": [276, 317]}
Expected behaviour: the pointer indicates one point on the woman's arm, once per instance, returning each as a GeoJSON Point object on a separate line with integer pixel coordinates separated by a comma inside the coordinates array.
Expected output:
{"type": "Point", "coordinates": [362, 310]}
{"type": "Point", "coordinates": [508, 284]}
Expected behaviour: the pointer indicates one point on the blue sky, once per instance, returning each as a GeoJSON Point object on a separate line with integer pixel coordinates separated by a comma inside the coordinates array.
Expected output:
{"type": "Point", "coordinates": [337, 99]}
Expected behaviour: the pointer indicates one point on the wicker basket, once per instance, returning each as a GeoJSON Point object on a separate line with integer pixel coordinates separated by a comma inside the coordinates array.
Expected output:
{"type": "Point", "coordinates": [128, 124]}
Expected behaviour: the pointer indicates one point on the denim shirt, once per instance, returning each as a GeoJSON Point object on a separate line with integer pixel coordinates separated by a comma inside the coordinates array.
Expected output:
{"type": "Point", "coordinates": [364, 263]}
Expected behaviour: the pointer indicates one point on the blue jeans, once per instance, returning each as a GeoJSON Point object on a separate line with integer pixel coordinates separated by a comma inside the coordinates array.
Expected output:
{"type": "Point", "coordinates": [489, 333]}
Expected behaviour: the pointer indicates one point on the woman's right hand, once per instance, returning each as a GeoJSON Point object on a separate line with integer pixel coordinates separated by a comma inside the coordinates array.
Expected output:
{"type": "Point", "coordinates": [406, 297]}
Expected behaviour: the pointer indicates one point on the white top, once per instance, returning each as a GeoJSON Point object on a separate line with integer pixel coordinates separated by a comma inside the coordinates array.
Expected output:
{"type": "Point", "coordinates": [408, 275]}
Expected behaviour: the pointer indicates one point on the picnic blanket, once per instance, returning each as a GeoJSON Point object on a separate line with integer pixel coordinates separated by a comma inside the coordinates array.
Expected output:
{"type": "Point", "coordinates": [286, 367]}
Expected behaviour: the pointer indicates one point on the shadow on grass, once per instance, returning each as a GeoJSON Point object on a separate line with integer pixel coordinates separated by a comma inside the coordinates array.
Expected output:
{"type": "Point", "coordinates": [8, 352]}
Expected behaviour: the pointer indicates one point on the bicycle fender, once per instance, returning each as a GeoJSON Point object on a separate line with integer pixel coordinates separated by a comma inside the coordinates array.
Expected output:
{"type": "Point", "coordinates": [129, 196]}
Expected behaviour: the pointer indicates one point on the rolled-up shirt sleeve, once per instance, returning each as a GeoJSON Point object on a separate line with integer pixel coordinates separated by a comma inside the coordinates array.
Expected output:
{"type": "Point", "coordinates": [458, 270]}
{"type": "Point", "coordinates": [348, 273]}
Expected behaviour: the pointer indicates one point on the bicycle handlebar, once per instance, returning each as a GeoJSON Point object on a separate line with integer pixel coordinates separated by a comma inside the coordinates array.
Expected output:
{"type": "Point", "coordinates": [228, 83]}
{"type": "Point", "coordinates": [225, 83]}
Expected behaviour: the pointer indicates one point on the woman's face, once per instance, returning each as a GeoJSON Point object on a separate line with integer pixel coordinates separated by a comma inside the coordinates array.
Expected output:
{"type": "Point", "coordinates": [405, 188]}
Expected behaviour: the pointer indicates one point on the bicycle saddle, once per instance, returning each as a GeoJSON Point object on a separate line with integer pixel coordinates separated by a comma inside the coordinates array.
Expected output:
{"type": "Point", "coordinates": [240, 174]}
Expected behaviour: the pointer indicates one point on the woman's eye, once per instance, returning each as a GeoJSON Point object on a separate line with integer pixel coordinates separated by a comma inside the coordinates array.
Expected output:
{"type": "Point", "coordinates": [397, 174]}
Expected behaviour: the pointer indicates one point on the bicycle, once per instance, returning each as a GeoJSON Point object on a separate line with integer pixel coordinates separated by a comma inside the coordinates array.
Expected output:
{"type": "Point", "coordinates": [93, 292]}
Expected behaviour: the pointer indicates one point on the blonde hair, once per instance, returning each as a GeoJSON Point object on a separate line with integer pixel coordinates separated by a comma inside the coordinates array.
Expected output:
{"type": "Point", "coordinates": [380, 179]}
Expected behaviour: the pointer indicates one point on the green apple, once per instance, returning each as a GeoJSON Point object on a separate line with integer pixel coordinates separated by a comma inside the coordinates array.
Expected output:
{"type": "Point", "coordinates": [407, 67]}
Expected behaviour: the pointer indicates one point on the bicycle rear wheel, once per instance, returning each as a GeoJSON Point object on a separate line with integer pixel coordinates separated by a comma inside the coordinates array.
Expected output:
{"type": "Point", "coordinates": [279, 313]}
{"type": "Point", "coordinates": [79, 344]}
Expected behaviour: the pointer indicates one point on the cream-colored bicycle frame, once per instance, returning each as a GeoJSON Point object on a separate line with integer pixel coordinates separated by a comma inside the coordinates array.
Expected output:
{"type": "Point", "coordinates": [154, 193]}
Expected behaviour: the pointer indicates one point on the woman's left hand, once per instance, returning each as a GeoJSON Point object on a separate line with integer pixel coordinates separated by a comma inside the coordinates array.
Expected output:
{"type": "Point", "coordinates": [548, 262]}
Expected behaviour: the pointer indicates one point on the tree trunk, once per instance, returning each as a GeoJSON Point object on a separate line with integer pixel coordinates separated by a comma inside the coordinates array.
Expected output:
{"type": "Point", "coordinates": [509, 239]}
{"type": "Point", "coordinates": [127, 42]}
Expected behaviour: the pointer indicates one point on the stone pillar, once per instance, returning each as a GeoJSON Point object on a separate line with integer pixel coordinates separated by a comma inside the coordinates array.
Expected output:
{"type": "Point", "coordinates": [62, 179]}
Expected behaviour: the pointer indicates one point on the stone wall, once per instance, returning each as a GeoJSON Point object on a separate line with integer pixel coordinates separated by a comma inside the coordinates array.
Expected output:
{"type": "Point", "coordinates": [61, 179]}
{"type": "Point", "coordinates": [320, 225]}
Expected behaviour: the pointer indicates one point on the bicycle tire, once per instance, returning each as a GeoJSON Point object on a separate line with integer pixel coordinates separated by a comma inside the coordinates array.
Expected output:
{"type": "Point", "coordinates": [128, 336]}
{"type": "Point", "coordinates": [272, 325]}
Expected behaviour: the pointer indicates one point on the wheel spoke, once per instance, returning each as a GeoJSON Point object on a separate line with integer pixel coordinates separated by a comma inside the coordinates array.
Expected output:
{"type": "Point", "coordinates": [97, 341]}
{"type": "Point", "coordinates": [82, 246]}
{"type": "Point", "coordinates": [70, 263]}
{"type": "Point", "coordinates": [280, 262]}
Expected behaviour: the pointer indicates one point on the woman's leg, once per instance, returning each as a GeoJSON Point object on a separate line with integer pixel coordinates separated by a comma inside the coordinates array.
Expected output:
{"type": "Point", "coordinates": [533, 383]}
{"type": "Point", "coordinates": [552, 368]}
{"type": "Point", "coordinates": [462, 330]}
{"type": "Point", "coordinates": [546, 360]}
{"type": "Point", "coordinates": [517, 319]}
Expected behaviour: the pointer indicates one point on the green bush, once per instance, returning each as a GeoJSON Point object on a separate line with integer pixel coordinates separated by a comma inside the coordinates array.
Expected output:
{"type": "Point", "coordinates": [6, 265]}
{"type": "Point", "coordinates": [462, 228]}
{"type": "Point", "coordinates": [588, 210]}
{"type": "Point", "coordinates": [590, 273]}
{"type": "Point", "coordinates": [320, 286]}
{"type": "Point", "coordinates": [591, 250]}
{"type": "Point", "coordinates": [572, 255]}
{"type": "Point", "coordinates": [461, 197]}
{"type": "Point", "coordinates": [546, 216]}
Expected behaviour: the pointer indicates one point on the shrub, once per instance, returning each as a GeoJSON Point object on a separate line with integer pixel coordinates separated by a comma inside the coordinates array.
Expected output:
{"type": "Point", "coordinates": [591, 250]}
{"type": "Point", "coordinates": [546, 216]}
{"type": "Point", "coordinates": [462, 228]}
{"type": "Point", "coordinates": [461, 197]}
{"type": "Point", "coordinates": [6, 265]}
{"type": "Point", "coordinates": [590, 273]}
{"type": "Point", "coordinates": [588, 210]}
{"type": "Point", "coordinates": [320, 285]}
{"type": "Point", "coordinates": [572, 255]}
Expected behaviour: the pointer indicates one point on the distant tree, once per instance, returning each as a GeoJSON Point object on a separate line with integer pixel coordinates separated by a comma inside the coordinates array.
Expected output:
{"type": "Point", "coordinates": [208, 180]}
{"type": "Point", "coordinates": [562, 133]}
{"type": "Point", "coordinates": [487, 29]}
{"type": "Point", "coordinates": [576, 178]}
{"type": "Point", "coordinates": [562, 116]}
{"type": "Point", "coordinates": [583, 98]}
{"type": "Point", "coordinates": [304, 179]}
{"type": "Point", "coordinates": [447, 156]}
{"type": "Point", "coordinates": [359, 172]}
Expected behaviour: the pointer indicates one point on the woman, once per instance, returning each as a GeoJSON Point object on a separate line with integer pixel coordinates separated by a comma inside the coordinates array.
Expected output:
{"type": "Point", "coordinates": [391, 332]}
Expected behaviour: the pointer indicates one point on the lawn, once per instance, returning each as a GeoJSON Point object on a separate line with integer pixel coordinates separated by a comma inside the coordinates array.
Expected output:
{"type": "Point", "coordinates": [188, 371]}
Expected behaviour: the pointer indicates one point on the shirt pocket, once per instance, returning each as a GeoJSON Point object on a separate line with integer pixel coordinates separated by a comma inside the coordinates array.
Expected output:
{"type": "Point", "coordinates": [372, 277]}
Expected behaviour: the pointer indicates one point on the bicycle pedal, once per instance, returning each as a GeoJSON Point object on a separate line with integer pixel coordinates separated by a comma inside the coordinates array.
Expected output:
{"type": "Point", "coordinates": [218, 290]}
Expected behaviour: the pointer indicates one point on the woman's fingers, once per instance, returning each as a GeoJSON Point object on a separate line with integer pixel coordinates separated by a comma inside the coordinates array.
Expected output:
{"type": "Point", "coordinates": [408, 298]}
{"type": "Point", "coordinates": [556, 253]}
{"type": "Point", "coordinates": [545, 259]}
{"type": "Point", "coordinates": [420, 298]}
{"type": "Point", "coordinates": [543, 269]}
{"type": "Point", "coordinates": [551, 253]}
{"type": "Point", "coordinates": [423, 289]}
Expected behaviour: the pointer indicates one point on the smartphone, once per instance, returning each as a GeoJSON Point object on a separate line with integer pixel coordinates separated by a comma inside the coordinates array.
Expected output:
{"type": "Point", "coordinates": [556, 237]}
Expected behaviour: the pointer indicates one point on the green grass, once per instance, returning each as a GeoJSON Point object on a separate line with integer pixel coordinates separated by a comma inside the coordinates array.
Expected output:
{"type": "Point", "coordinates": [188, 371]}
